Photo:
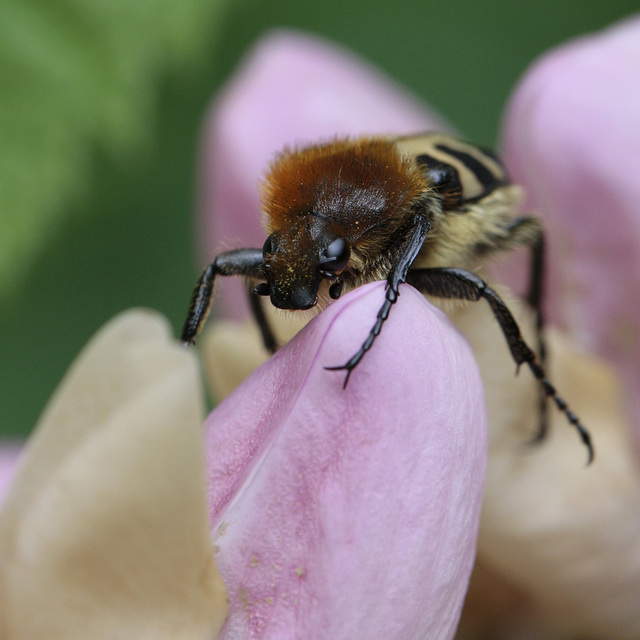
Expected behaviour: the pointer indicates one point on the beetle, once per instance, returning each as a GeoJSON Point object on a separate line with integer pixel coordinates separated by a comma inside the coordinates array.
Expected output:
{"type": "Point", "coordinates": [425, 209]}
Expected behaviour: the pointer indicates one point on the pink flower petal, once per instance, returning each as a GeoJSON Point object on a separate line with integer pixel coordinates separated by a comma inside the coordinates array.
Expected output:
{"type": "Point", "coordinates": [351, 513]}
{"type": "Point", "coordinates": [572, 138]}
{"type": "Point", "coordinates": [291, 89]}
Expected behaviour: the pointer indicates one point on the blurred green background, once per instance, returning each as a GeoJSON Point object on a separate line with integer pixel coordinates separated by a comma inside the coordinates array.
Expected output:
{"type": "Point", "coordinates": [100, 109]}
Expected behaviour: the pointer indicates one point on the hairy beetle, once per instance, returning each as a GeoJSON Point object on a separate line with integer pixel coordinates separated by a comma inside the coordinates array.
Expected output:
{"type": "Point", "coordinates": [423, 209]}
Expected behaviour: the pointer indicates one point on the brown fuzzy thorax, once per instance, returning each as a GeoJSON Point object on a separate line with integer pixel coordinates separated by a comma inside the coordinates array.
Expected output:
{"type": "Point", "coordinates": [351, 185]}
{"type": "Point", "coordinates": [359, 190]}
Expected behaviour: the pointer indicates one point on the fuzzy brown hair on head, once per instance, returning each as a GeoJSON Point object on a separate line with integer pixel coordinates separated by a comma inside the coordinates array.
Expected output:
{"type": "Point", "coordinates": [348, 186]}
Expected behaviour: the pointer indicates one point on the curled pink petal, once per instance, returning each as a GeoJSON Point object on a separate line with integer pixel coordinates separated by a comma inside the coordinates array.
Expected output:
{"type": "Point", "coordinates": [351, 513]}
{"type": "Point", "coordinates": [572, 138]}
{"type": "Point", "coordinates": [291, 89]}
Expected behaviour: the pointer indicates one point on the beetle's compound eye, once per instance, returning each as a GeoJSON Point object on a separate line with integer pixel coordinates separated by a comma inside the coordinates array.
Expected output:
{"type": "Point", "coordinates": [440, 176]}
{"type": "Point", "coordinates": [335, 257]}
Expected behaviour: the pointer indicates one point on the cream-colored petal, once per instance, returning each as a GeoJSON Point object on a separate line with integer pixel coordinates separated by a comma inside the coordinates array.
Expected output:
{"type": "Point", "coordinates": [9, 460]}
{"type": "Point", "coordinates": [232, 350]}
{"type": "Point", "coordinates": [565, 536]}
{"type": "Point", "coordinates": [107, 536]}
{"type": "Point", "coordinates": [494, 608]}
{"type": "Point", "coordinates": [131, 353]}
{"type": "Point", "coordinates": [571, 535]}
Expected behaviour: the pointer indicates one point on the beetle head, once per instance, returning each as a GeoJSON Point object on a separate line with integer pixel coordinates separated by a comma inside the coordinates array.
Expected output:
{"type": "Point", "coordinates": [295, 264]}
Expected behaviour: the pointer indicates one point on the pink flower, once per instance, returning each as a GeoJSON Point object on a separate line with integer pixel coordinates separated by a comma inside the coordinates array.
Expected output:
{"type": "Point", "coordinates": [298, 545]}
{"type": "Point", "coordinates": [354, 513]}
{"type": "Point", "coordinates": [571, 137]}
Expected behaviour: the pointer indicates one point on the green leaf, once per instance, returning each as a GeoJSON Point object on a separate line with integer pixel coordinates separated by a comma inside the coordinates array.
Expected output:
{"type": "Point", "coordinates": [76, 76]}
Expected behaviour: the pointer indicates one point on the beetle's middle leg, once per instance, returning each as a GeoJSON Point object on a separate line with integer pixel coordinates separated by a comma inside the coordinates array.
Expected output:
{"type": "Point", "coordinates": [268, 337]}
{"type": "Point", "coordinates": [528, 231]}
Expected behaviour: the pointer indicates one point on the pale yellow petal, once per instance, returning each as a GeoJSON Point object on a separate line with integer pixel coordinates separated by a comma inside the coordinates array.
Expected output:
{"type": "Point", "coordinates": [108, 537]}
{"type": "Point", "coordinates": [129, 354]}
{"type": "Point", "coordinates": [232, 350]}
{"type": "Point", "coordinates": [563, 535]}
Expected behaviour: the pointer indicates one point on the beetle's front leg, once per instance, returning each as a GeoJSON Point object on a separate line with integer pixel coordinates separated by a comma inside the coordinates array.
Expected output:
{"type": "Point", "coordinates": [241, 262]}
{"type": "Point", "coordinates": [411, 245]}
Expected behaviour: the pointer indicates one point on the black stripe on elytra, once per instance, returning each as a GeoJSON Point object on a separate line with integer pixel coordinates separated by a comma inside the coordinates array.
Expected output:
{"type": "Point", "coordinates": [483, 174]}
